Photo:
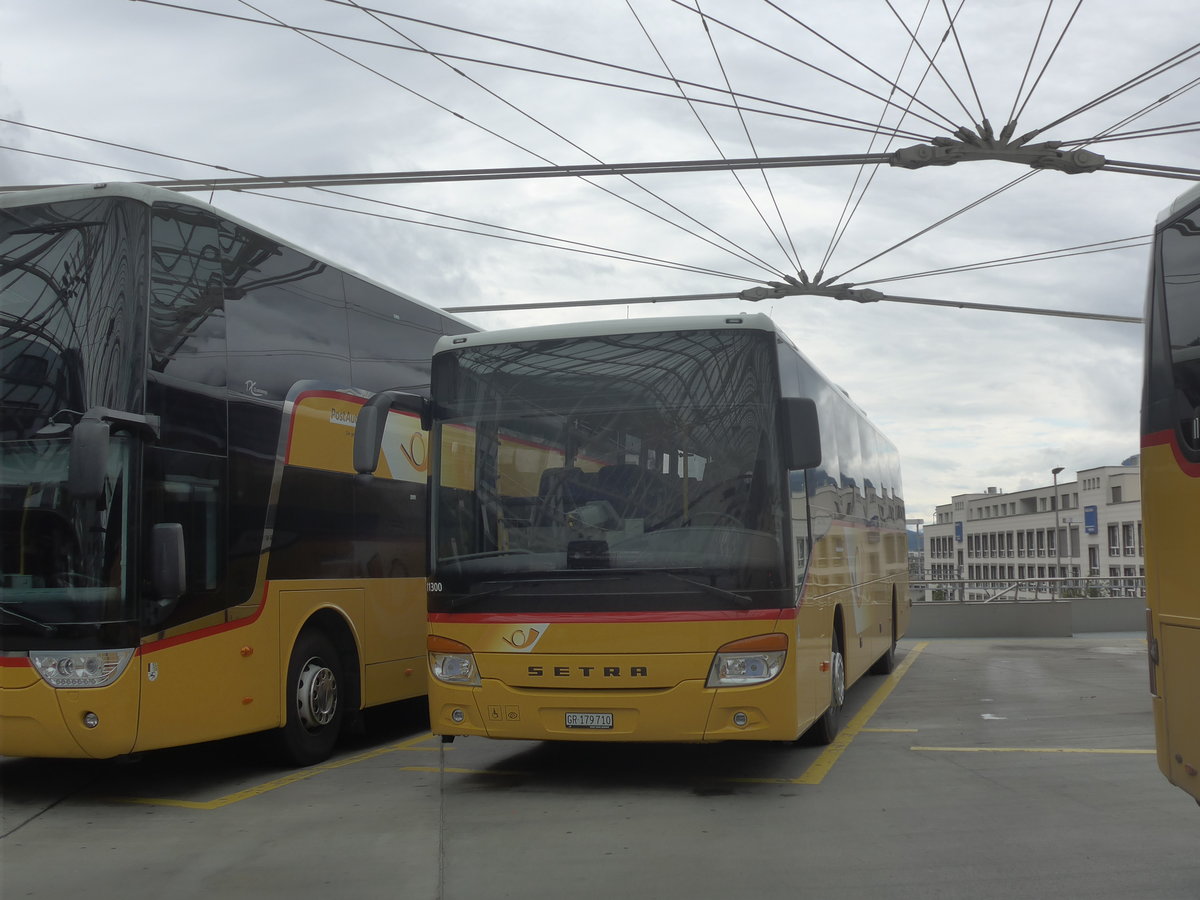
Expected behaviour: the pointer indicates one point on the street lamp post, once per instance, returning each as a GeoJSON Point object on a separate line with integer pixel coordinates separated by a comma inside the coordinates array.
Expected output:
{"type": "Point", "coordinates": [1057, 536]}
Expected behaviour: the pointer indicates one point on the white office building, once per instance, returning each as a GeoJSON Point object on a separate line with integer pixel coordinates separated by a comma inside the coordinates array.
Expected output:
{"type": "Point", "coordinates": [1088, 530]}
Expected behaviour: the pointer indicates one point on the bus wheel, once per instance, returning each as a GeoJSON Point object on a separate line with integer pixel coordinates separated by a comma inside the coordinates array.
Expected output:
{"type": "Point", "coordinates": [886, 664]}
{"type": "Point", "coordinates": [825, 729]}
{"type": "Point", "coordinates": [314, 711]}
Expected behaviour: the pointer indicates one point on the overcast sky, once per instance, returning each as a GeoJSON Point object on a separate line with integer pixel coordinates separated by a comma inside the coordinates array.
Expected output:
{"type": "Point", "coordinates": [973, 399]}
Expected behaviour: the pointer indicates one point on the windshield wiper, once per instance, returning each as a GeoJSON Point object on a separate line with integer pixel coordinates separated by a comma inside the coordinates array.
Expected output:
{"type": "Point", "coordinates": [740, 599]}
{"type": "Point", "coordinates": [24, 618]}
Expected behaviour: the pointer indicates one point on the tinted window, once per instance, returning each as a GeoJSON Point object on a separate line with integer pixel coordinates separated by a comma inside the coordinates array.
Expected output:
{"type": "Point", "coordinates": [72, 276]}
{"type": "Point", "coordinates": [392, 339]}
{"type": "Point", "coordinates": [287, 318]}
{"type": "Point", "coordinates": [186, 370]}
{"type": "Point", "coordinates": [1181, 283]}
{"type": "Point", "coordinates": [187, 488]}
{"type": "Point", "coordinates": [328, 526]}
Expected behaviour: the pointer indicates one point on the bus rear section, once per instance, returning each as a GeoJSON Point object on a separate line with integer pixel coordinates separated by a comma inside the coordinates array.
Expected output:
{"type": "Point", "coordinates": [637, 535]}
{"type": "Point", "coordinates": [1170, 464]}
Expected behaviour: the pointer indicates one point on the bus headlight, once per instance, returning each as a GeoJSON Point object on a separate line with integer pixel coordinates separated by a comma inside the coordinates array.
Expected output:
{"type": "Point", "coordinates": [452, 661]}
{"type": "Point", "coordinates": [753, 660]}
{"type": "Point", "coordinates": [89, 669]}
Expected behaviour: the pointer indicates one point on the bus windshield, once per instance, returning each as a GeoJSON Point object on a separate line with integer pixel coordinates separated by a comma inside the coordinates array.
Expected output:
{"type": "Point", "coordinates": [64, 560]}
{"type": "Point", "coordinates": [64, 349]}
{"type": "Point", "coordinates": [639, 471]}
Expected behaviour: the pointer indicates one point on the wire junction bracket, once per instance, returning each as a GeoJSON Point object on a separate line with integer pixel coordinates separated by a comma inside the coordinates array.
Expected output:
{"type": "Point", "coordinates": [945, 151]}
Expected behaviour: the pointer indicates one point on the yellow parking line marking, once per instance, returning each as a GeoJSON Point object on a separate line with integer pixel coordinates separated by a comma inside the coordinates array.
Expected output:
{"type": "Point", "coordinates": [823, 763]}
{"type": "Point", "coordinates": [284, 781]}
{"type": "Point", "coordinates": [890, 730]}
{"type": "Point", "coordinates": [1031, 750]}
{"type": "Point", "coordinates": [812, 775]}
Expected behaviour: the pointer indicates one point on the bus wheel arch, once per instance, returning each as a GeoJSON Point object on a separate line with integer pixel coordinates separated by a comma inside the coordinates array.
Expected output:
{"type": "Point", "coordinates": [322, 690]}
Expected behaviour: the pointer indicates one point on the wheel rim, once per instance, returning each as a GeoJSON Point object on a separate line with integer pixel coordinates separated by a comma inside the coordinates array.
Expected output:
{"type": "Point", "coordinates": [316, 694]}
{"type": "Point", "coordinates": [839, 680]}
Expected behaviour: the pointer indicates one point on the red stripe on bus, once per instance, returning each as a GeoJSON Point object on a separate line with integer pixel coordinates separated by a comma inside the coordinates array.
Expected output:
{"type": "Point", "coordinates": [14, 662]}
{"type": "Point", "coordinates": [200, 634]}
{"type": "Point", "coordinates": [1169, 437]}
{"type": "Point", "coordinates": [692, 615]}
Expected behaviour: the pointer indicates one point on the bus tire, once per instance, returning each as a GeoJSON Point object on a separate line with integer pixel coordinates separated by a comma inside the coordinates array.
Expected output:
{"type": "Point", "coordinates": [826, 728]}
{"type": "Point", "coordinates": [886, 664]}
{"type": "Point", "coordinates": [315, 707]}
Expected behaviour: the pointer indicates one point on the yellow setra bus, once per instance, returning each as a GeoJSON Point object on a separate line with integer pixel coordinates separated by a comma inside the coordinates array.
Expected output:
{"type": "Point", "coordinates": [185, 552]}
{"type": "Point", "coordinates": [1171, 489]}
{"type": "Point", "coordinates": [652, 530]}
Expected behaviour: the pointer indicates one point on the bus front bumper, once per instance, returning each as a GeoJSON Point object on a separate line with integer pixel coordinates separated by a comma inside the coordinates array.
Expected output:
{"type": "Point", "coordinates": [41, 721]}
{"type": "Point", "coordinates": [688, 713]}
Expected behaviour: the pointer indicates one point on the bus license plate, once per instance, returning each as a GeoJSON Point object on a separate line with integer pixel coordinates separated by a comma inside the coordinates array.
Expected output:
{"type": "Point", "coordinates": [589, 720]}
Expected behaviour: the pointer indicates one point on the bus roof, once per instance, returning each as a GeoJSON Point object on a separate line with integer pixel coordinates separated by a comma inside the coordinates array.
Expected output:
{"type": "Point", "coordinates": [740, 321]}
{"type": "Point", "coordinates": [1182, 202]}
{"type": "Point", "coordinates": [752, 321]}
{"type": "Point", "coordinates": [150, 195]}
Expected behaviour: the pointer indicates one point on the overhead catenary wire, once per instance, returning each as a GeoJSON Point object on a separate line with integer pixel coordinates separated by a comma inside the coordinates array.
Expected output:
{"type": "Point", "coordinates": [831, 119]}
{"type": "Point", "coordinates": [1037, 41]}
{"type": "Point", "coordinates": [1134, 168]}
{"type": "Point", "coordinates": [524, 236]}
{"type": "Point", "coordinates": [1124, 167]}
{"type": "Point", "coordinates": [848, 212]}
{"type": "Point", "coordinates": [741, 252]}
{"type": "Point", "coordinates": [1153, 72]}
{"type": "Point", "coordinates": [1139, 134]}
{"type": "Point", "coordinates": [942, 221]}
{"type": "Point", "coordinates": [893, 85]}
{"type": "Point", "coordinates": [703, 125]}
{"type": "Point", "coordinates": [933, 65]}
{"type": "Point", "coordinates": [515, 237]}
{"type": "Point", "coordinates": [690, 9]}
{"type": "Point", "coordinates": [434, 176]}
{"type": "Point", "coordinates": [1111, 131]}
{"type": "Point", "coordinates": [684, 298]}
{"type": "Point", "coordinates": [1046, 64]}
{"type": "Point", "coordinates": [1129, 243]}
{"type": "Point", "coordinates": [768, 45]}
{"type": "Point", "coordinates": [963, 56]}
{"type": "Point", "coordinates": [1116, 166]}
{"type": "Point", "coordinates": [793, 257]}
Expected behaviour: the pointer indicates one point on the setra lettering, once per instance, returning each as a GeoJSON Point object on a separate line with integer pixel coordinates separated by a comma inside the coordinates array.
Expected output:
{"type": "Point", "coordinates": [588, 671]}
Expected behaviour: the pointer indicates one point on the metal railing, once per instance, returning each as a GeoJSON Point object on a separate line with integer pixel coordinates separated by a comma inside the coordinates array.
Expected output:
{"type": "Point", "coordinates": [963, 590]}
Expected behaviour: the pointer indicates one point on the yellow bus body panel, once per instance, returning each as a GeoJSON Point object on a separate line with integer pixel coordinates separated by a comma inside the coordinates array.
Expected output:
{"type": "Point", "coordinates": [223, 679]}
{"type": "Point", "coordinates": [229, 680]}
{"type": "Point", "coordinates": [38, 720]}
{"type": "Point", "coordinates": [1170, 498]}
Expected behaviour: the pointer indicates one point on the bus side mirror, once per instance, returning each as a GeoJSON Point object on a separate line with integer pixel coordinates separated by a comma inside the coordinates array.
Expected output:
{"type": "Point", "coordinates": [88, 462]}
{"type": "Point", "coordinates": [372, 420]}
{"type": "Point", "coordinates": [168, 561]}
{"type": "Point", "coordinates": [801, 433]}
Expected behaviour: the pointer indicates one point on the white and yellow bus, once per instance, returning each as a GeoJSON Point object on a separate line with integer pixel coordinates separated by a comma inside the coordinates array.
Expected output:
{"type": "Point", "coordinates": [185, 552]}
{"type": "Point", "coordinates": [1171, 489]}
{"type": "Point", "coordinates": [652, 530]}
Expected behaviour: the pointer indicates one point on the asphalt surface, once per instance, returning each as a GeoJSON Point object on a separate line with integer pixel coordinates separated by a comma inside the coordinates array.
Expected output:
{"type": "Point", "coordinates": [981, 769]}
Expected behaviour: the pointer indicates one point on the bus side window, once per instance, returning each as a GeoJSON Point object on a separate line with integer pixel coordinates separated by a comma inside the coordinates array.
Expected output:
{"type": "Point", "coordinates": [1180, 260]}
{"type": "Point", "coordinates": [186, 488]}
{"type": "Point", "coordinates": [798, 491]}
